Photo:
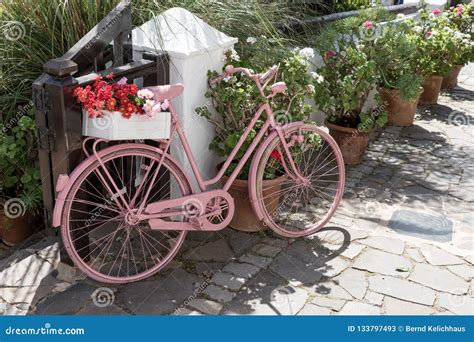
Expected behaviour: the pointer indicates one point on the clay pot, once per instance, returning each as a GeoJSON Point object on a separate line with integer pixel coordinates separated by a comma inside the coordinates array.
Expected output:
{"type": "Point", "coordinates": [400, 112]}
{"type": "Point", "coordinates": [351, 141]}
{"type": "Point", "coordinates": [15, 230]}
{"type": "Point", "coordinates": [431, 90]}
{"type": "Point", "coordinates": [451, 79]}
{"type": "Point", "coordinates": [244, 218]}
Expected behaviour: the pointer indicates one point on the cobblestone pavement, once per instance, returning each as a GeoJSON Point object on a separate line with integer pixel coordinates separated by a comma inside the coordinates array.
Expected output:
{"type": "Point", "coordinates": [401, 243]}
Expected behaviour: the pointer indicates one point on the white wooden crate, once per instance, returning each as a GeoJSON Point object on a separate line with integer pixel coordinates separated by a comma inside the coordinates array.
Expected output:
{"type": "Point", "coordinates": [113, 126]}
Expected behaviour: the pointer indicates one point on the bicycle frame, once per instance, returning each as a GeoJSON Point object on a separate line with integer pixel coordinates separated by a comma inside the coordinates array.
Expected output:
{"type": "Point", "coordinates": [204, 184]}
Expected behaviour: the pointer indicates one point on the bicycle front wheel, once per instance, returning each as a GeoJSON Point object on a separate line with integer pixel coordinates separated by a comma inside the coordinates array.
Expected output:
{"type": "Point", "coordinates": [98, 236]}
{"type": "Point", "coordinates": [298, 207]}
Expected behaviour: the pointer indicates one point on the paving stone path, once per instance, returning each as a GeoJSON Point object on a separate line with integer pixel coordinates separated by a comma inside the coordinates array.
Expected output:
{"type": "Point", "coordinates": [401, 243]}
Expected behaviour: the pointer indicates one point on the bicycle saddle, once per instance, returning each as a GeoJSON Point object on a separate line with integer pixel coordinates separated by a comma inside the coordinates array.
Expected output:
{"type": "Point", "coordinates": [167, 92]}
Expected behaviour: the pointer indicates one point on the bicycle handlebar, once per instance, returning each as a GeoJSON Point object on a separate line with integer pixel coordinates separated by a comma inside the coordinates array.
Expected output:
{"type": "Point", "coordinates": [229, 70]}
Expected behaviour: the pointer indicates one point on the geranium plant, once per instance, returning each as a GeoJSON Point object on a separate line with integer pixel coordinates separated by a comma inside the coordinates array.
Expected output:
{"type": "Point", "coordinates": [126, 98]}
{"type": "Point", "coordinates": [235, 99]}
{"type": "Point", "coordinates": [395, 56]}
{"type": "Point", "coordinates": [346, 79]}
{"type": "Point", "coordinates": [460, 17]}
{"type": "Point", "coordinates": [436, 43]}
{"type": "Point", "coordinates": [20, 177]}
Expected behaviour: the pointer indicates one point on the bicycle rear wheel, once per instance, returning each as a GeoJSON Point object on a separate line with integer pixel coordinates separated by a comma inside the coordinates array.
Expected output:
{"type": "Point", "coordinates": [298, 208]}
{"type": "Point", "coordinates": [97, 234]}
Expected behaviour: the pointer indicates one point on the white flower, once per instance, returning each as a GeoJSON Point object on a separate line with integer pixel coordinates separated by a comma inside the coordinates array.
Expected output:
{"type": "Point", "coordinates": [234, 55]}
{"type": "Point", "coordinates": [251, 40]}
{"type": "Point", "coordinates": [145, 94]}
{"type": "Point", "coordinates": [317, 77]}
{"type": "Point", "coordinates": [310, 88]}
{"type": "Point", "coordinates": [418, 29]}
{"type": "Point", "coordinates": [306, 53]}
{"type": "Point", "coordinates": [227, 78]}
{"type": "Point", "coordinates": [401, 16]}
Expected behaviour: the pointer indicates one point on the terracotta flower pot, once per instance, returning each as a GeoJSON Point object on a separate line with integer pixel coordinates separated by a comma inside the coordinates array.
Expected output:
{"type": "Point", "coordinates": [15, 230]}
{"type": "Point", "coordinates": [431, 90]}
{"type": "Point", "coordinates": [451, 79]}
{"type": "Point", "coordinates": [351, 141]}
{"type": "Point", "coordinates": [244, 218]}
{"type": "Point", "coordinates": [400, 112]}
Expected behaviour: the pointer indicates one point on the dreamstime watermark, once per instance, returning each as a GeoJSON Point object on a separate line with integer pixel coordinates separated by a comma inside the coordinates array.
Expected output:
{"type": "Point", "coordinates": [460, 300]}
{"type": "Point", "coordinates": [103, 122]}
{"type": "Point", "coordinates": [103, 297]}
{"type": "Point", "coordinates": [282, 118]}
{"type": "Point", "coordinates": [98, 211]}
{"type": "Point", "coordinates": [14, 208]}
{"type": "Point", "coordinates": [458, 118]}
{"type": "Point", "coordinates": [193, 208]}
{"type": "Point", "coordinates": [370, 122]}
{"type": "Point", "coordinates": [104, 30]}
{"type": "Point", "coordinates": [13, 30]}
{"type": "Point", "coordinates": [46, 330]}
{"type": "Point", "coordinates": [13, 120]}
{"type": "Point", "coordinates": [370, 33]}
{"type": "Point", "coordinates": [280, 298]}
{"type": "Point", "coordinates": [282, 207]}
{"type": "Point", "coordinates": [200, 287]}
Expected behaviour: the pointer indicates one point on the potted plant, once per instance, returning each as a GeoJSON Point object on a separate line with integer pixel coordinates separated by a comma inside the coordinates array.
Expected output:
{"type": "Point", "coordinates": [460, 19]}
{"type": "Point", "coordinates": [234, 100]}
{"type": "Point", "coordinates": [399, 85]}
{"type": "Point", "coordinates": [342, 87]}
{"type": "Point", "coordinates": [120, 111]}
{"type": "Point", "coordinates": [436, 47]}
{"type": "Point", "coordinates": [20, 179]}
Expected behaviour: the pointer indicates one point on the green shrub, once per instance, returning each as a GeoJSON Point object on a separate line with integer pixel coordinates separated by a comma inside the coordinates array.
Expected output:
{"type": "Point", "coordinates": [235, 99]}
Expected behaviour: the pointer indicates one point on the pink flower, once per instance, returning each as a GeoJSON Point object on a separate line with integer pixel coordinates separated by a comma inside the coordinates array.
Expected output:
{"type": "Point", "coordinates": [330, 53]}
{"type": "Point", "coordinates": [165, 105]}
{"type": "Point", "coordinates": [451, 8]}
{"type": "Point", "coordinates": [458, 14]}
{"type": "Point", "coordinates": [122, 81]}
{"type": "Point", "coordinates": [156, 108]}
{"type": "Point", "coordinates": [436, 11]}
{"type": "Point", "coordinates": [429, 34]}
{"type": "Point", "coordinates": [368, 24]}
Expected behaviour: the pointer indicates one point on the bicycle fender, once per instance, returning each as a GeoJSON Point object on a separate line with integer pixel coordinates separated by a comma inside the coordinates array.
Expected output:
{"type": "Point", "coordinates": [65, 182]}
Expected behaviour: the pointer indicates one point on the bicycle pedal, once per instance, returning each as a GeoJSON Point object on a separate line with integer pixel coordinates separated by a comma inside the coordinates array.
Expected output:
{"type": "Point", "coordinates": [196, 222]}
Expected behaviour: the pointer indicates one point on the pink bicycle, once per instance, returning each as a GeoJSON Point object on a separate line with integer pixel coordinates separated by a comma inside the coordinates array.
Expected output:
{"type": "Point", "coordinates": [125, 210]}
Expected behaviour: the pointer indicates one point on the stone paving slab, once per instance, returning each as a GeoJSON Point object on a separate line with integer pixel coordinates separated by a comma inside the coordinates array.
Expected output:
{"type": "Point", "coordinates": [357, 264]}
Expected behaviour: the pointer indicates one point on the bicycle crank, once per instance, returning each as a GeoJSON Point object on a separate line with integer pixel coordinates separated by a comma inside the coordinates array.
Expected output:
{"type": "Point", "coordinates": [207, 211]}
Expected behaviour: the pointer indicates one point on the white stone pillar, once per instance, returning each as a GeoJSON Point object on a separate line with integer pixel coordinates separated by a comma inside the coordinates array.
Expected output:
{"type": "Point", "coordinates": [194, 47]}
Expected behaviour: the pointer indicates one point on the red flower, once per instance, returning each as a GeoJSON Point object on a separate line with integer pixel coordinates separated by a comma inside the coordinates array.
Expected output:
{"type": "Point", "coordinates": [276, 155]}
{"type": "Point", "coordinates": [330, 53]}
{"type": "Point", "coordinates": [133, 88]}
{"type": "Point", "coordinates": [111, 103]}
{"type": "Point", "coordinates": [110, 76]}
